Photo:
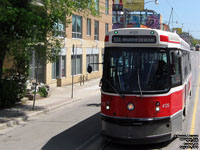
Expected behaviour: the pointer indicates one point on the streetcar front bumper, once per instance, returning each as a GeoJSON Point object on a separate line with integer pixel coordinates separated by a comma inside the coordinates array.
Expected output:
{"type": "Point", "coordinates": [140, 131]}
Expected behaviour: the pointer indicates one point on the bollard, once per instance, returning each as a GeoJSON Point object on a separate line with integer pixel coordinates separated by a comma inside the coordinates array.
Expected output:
{"type": "Point", "coordinates": [80, 80]}
{"type": "Point", "coordinates": [83, 79]}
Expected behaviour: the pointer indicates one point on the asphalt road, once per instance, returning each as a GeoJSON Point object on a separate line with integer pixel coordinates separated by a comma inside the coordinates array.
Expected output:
{"type": "Point", "coordinates": [66, 128]}
{"type": "Point", "coordinates": [77, 126]}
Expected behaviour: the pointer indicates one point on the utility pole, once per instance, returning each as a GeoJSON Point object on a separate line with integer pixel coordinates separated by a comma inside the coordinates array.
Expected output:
{"type": "Point", "coordinates": [72, 94]}
{"type": "Point", "coordinates": [188, 36]}
{"type": "Point", "coordinates": [125, 20]}
{"type": "Point", "coordinates": [171, 14]}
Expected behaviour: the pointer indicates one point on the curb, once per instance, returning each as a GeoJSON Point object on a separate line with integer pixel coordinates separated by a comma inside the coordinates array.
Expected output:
{"type": "Point", "coordinates": [23, 119]}
{"type": "Point", "coordinates": [47, 108]}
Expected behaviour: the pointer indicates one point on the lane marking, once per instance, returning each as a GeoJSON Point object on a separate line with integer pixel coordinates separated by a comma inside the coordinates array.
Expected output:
{"type": "Point", "coordinates": [192, 128]}
{"type": "Point", "coordinates": [195, 109]}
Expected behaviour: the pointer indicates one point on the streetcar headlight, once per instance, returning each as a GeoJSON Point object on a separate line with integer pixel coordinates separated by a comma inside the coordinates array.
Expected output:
{"type": "Point", "coordinates": [157, 103]}
{"type": "Point", "coordinates": [157, 108]}
{"type": "Point", "coordinates": [130, 106]}
{"type": "Point", "coordinates": [107, 107]}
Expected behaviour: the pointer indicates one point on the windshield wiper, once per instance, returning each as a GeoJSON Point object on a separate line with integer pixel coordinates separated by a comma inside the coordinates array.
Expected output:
{"type": "Point", "coordinates": [139, 85]}
{"type": "Point", "coordinates": [116, 91]}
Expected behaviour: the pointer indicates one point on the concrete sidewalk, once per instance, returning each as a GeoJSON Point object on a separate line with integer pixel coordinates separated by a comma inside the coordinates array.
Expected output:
{"type": "Point", "coordinates": [59, 97]}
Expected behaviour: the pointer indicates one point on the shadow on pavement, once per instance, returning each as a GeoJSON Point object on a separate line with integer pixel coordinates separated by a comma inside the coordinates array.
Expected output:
{"type": "Point", "coordinates": [94, 104]}
{"type": "Point", "coordinates": [79, 136]}
{"type": "Point", "coordinates": [155, 146]}
{"type": "Point", "coordinates": [19, 111]}
{"type": "Point", "coordinates": [75, 136]}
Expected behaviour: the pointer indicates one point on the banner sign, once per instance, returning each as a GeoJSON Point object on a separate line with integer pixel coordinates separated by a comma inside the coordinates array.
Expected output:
{"type": "Point", "coordinates": [133, 5]}
{"type": "Point", "coordinates": [178, 30]}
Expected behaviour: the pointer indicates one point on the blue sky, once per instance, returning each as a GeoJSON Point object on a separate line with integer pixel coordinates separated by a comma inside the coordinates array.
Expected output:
{"type": "Point", "coordinates": [186, 14]}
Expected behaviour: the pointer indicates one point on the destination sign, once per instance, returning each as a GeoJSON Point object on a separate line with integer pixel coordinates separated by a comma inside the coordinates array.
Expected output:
{"type": "Point", "coordinates": [133, 39]}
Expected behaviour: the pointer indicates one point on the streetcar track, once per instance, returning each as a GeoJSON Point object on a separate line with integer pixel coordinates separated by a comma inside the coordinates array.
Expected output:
{"type": "Point", "coordinates": [106, 145]}
{"type": "Point", "coordinates": [87, 142]}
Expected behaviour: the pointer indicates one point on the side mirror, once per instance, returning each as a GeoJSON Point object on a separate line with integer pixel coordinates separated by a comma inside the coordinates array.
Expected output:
{"type": "Point", "coordinates": [179, 53]}
{"type": "Point", "coordinates": [89, 69]}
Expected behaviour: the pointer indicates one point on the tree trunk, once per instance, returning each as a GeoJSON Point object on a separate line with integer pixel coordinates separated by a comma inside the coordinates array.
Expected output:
{"type": "Point", "coordinates": [2, 57]}
{"type": "Point", "coordinates": [36, 82]}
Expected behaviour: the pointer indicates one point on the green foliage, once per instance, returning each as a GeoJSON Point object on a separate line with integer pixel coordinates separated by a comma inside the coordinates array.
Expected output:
{"type": "Point", "coordinates": [4, 70]}
{"type": "Point", "coordinates": [28, 23]}
{"type": "Point", "coordinates": [26, 26]}
{"type": "Point", "coordinates": [195, 41]}
{"type": "Point", "coordinates": [43, 91]}
{"type": "Point", "coordinates": [9, 93]}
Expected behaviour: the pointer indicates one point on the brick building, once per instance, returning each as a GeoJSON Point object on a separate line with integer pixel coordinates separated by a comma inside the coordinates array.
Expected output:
{"type": "Point", "coordinates": [86, 34]}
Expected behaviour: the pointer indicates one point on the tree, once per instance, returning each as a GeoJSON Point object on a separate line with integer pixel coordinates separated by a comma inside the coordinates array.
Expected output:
{"type": "Point", "coordinates": [25, 24]}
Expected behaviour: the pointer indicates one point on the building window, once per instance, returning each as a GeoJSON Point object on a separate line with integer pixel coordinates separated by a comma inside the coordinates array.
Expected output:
{"type": "Point", "coordinates": [63, 66]}
{"type": "Point", "coordinates": [76, 26]}
{"type": "Point", "coordinates": [107, 7]}
{"type": "Point", "coordinates": [55, 69]}
{"type": "Point", "coordinates": [96, 30]}
{"type": "Point", "coordinates": [96, 2]}
{"type": "Point", "coordinates": [59, 30]}
{"type": "Point", "coordinates": [88, 26]}
{"type": "Point", "coordinates": [106, 28]}
{"type": "Point", "coordinates": [76, 64]}
{"type": "Point", "coordinates": [33, 68]}
{"type": "Point", "coordinates": [96, 60]}
{"type": "Point", "coordinates": [92, 58]}
{"type": "Point", "coordinates": [56, 72]}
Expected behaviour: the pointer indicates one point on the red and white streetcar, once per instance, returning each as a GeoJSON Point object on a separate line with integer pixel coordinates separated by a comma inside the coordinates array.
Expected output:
{"type": "Point", "coordinates": [146, 85]}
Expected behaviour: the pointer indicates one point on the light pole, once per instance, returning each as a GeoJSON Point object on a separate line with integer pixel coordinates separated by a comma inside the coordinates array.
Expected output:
{"type": "Point", "coordinates": [156, 2]}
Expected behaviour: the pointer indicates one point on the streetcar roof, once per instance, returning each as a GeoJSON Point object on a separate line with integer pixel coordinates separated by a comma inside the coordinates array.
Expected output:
{"type": "Point", "coordinates": [163, 39]}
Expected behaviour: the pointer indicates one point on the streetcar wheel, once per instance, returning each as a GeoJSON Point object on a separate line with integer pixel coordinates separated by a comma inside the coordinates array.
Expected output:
{"type": "Point", "coordinates": [185, 113]}
{"type": "Point", "coordinates": [190, 98]}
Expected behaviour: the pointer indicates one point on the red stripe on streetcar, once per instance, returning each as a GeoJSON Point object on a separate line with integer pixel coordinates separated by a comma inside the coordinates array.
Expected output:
{"type": "Point", "coordinates": [174, 42]}
{"type": "Point", "coordinates": [164, 38]}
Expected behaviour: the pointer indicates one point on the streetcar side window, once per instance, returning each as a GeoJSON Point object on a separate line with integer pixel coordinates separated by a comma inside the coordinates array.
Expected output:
{"type": "Point", "coordinates": [175, 64]}
{"type": "Point", "coordinates": [186, 65]}
{"type": "Point", "coordinates": [189, 60]}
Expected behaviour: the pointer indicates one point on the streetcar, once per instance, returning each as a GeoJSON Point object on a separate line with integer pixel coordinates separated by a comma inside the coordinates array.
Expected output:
{"type": "Point", "coordinates": [197, 47]}
{"type": "Point", "coordinates": [146, 85]}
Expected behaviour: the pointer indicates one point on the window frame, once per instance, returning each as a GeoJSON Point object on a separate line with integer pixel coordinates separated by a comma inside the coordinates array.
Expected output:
{"type": "Point", "coordinates": [106, 28]}
{"type": "Point", "coordinates": [63, 66]}
{"type": "Point", "coordinates": [55, 70]}
{"type": "Point", "coordinates": [96, 32]}
{"type": "Point", "coordinates": [88, 27]}
{"type": "Point", "coordinates": [75, 32]}
{"type": "Point", "coordinates": [77, 70]}
{"type": "Point", "coordinates": [107, 7]}
{"type": "Point", "coordinates": [96, 2]}
{"type": "Point", "coordinates": [92, 58]}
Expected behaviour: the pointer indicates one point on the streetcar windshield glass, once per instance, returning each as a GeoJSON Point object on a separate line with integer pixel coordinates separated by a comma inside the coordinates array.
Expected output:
{"type": "Point", "coordinates": [132, 70]}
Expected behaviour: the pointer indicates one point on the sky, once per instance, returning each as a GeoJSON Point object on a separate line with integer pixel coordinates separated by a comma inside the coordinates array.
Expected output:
{"type": "Point", "coordinates": [186, 14]}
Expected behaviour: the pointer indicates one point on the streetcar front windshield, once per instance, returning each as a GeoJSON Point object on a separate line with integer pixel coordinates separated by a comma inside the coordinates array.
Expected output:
{"type": "Point", "coordinates": [132, 70]}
